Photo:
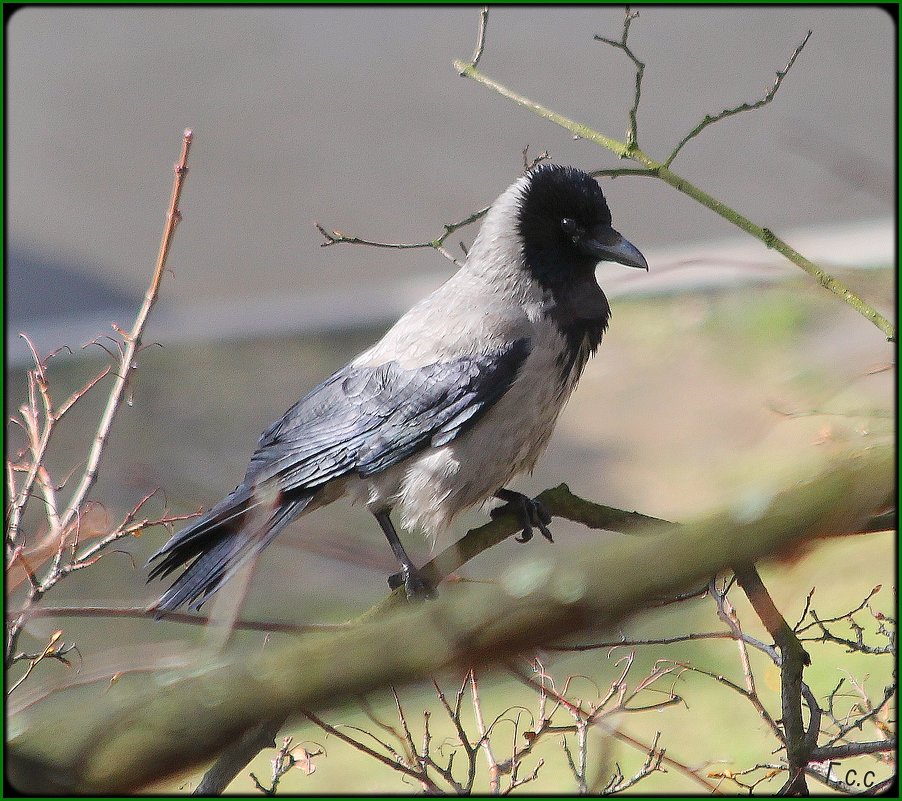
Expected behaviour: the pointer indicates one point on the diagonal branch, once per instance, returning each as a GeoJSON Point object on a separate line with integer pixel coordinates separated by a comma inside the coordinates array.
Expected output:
{"type": "Point", "coordinates": [559, 502]}
{"type": "Point", "coordinates": [132, 342]}
{"type": "Point", "coordinates": [729, 112]}
{"type": "Point", "coordinates": [663, 171]}
{"type": "Point", "coordinates": [127, 740]}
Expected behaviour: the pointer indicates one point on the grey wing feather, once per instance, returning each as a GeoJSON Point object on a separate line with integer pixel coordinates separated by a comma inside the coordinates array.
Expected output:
{"type": "Point", "coordinates": [365, 419]}
{"type": "Point", "coordinates": [362, 420]}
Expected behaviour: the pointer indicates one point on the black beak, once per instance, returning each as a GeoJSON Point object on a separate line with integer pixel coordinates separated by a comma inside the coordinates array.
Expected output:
{"type": "Point", "coordinates": [605, 244]}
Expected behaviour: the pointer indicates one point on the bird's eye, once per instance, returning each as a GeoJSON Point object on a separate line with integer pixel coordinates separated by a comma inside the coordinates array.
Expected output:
{"type": "Point", "coordinates": [569, 225]}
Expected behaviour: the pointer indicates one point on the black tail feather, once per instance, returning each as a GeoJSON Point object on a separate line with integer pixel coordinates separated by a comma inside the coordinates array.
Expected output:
{"type": "Point", "coordinates": [220, 543]}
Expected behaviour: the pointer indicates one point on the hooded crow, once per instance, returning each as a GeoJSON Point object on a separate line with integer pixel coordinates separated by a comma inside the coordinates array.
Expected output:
{"type": "Point", "coordinates": [459, 396]}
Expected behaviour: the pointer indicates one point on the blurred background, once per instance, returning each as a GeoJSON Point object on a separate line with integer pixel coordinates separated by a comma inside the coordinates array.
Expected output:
{"type": "Point", "coordinates": [722, 363]}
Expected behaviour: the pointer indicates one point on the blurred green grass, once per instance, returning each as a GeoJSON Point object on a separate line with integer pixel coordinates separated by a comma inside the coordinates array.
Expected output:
{"type": "Point", "coordinates": [683, 388]}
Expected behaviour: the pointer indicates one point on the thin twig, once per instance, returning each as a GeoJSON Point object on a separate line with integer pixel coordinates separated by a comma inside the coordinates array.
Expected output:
{"type": "Point", "coordinates": [632, 133]}
{"type": "Point", "coordinates": [462, 738]}
{"type": "Point", "coordinates": [529, 164]}
{"type": "Point", "coordinates": [494, 771]}
{"type": "Point", "coordinates": [611, 730]}
{"type": "Point", "coordinates": [729, 112]}
{"type": "Point", "coordinates": [677, 638]}
{"type": "Point", "coordinates": [752, 698]}
{"type": "Point", "coordinates": [132, 342]}
{"type": "Point", "coordinates": [480, 38]}
{"type": "Point", "coordinates": [39, 440]}
{"type": "Point", "coordinates": [51, 651]}
{"type": "Point", "coordinates": [394, 765]}
{"type": "Point", "coordinates": [39, 436]}
{"type": "Point", "coordinates": [437, 244]}
{"type": "Point", "coordinates": [663, 171]}
{"type": "Point", "coordinates": [845, 728]}
{"type": "Point", "coordinates": [175, 617]}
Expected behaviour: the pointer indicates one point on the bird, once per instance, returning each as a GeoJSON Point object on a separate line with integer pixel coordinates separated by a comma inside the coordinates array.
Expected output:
{"type": "Point", "coordinates": [457, 398]}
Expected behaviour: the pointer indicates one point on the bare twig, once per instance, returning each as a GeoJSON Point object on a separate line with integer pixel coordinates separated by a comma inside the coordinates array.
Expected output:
{"type": "Point", "coordinates": [609, 729]}
{"type": "Point", "coordinates": [771, 770]}
{"type": "Point", "coordinates": [858, 644]}
{"type": "Point", "coordinates": [132, 341]}
{"type": "Point", "coordinates": [677, 638]}
{"type": "Point", "coordinates": [652, 763]}
{"type": "Point", "coordinates": [752, 698]}
{"type": "Point", "coordinates": [38, 441]}
{"type": "Point", "coordinates": [284, 761]}
{"type": "Point", "coordinates": [529, 164]}
{"type": "Point", "coordinates": [64, 524]}
{"type": "Point", "coordinates": [437, 244]}
{"type": "Point", "coordinates": [485, 742]}
{"type": "Point", "coordinates": [662, 170]}
{"type": "Point", "coordinates": [870, 712]}
{"type": "Point", "coordinates": [413, 773]}
{"type": "Point", "coordinates": [729, 112]}
{"type": "Point", "coordinates": [480, 38]}
{"type": "Point", "coordinates": [174, 617]}
{"type": "Point", "coordinates": [462, 738]}
{"type": "Point", "coordinates": [632, 133]}
{"type": "Point", "coordinates": [51, 651]}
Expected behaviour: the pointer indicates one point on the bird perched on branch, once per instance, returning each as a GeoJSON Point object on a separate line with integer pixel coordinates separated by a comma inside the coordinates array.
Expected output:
{"type": "Point", "coordinates": [457, 398]}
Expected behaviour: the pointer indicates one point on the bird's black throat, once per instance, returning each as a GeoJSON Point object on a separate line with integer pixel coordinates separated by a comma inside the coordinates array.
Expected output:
{"type": "Point", "coordinates": [577, 305]}
{"type": "Point", "coordinates": [581, 313]}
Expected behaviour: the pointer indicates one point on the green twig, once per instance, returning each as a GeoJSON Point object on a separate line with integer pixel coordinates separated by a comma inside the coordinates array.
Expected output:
{"type": "Point", "coordinates": [662, 171]}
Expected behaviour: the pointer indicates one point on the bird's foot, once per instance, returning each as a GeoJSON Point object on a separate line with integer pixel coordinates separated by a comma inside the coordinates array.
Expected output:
{"type": "Point", "coordinates": [530, 512]}
{"type": "Point", "coordinates": [416, 587]}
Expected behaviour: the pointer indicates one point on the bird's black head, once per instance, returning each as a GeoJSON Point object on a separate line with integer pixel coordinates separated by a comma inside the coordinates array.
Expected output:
{"type": "Point", "coordinates": [565, 226]}
{"type": "Point", "coordinates": [565, 230]}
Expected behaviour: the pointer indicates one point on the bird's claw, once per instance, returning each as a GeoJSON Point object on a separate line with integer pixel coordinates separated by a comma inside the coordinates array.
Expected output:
{"type": "Point", "coordinates": [415, 586]}
{"type": "Point", "coordinates": [530, 513]}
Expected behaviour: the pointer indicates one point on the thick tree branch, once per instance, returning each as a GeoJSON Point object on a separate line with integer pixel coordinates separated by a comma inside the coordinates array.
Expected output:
{"type": "Point", "coordinates": [125, 741]}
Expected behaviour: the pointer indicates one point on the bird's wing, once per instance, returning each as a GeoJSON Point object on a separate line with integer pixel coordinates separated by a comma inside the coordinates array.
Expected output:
{"type": "Point", "coordinates": [365, 419]}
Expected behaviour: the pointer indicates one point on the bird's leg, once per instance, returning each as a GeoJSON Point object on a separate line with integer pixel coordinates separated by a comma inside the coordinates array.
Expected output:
{"type": "Point", "coordinates": [529, 511]}
{"type": "Point", "coordinates": [414, 584]}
